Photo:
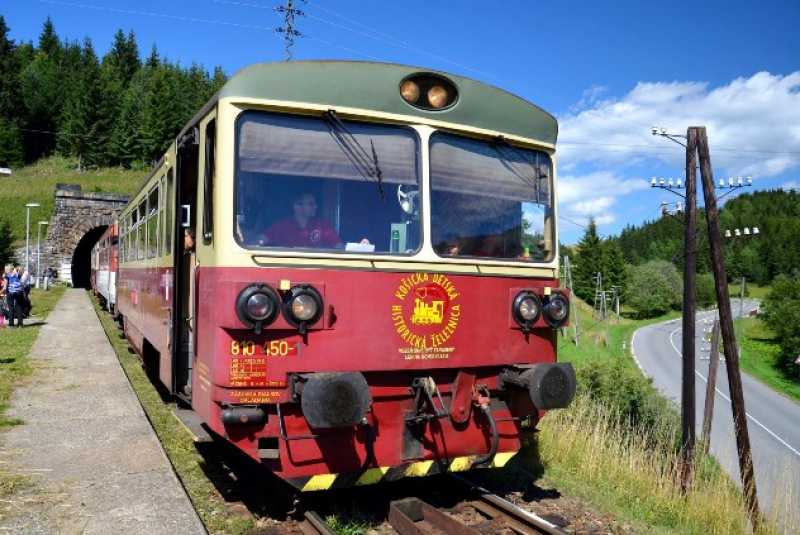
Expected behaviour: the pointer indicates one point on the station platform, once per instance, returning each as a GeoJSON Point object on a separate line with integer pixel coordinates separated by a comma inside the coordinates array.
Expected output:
{"type": "Point", "coordinates": [86, 445]}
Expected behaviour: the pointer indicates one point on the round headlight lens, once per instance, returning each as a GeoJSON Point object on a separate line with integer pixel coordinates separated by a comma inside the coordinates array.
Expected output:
{"type": "Point", "coordinates": [529, 308]}
{"type": "Point", "coordinates": [410, 91]}
{"type": "Point", "coordinates": [525, 309]}
{"type": "Point", "coordinates": [556, 310]}
{"type": "Point", "coordinates": [437, 97]}
{"type": "Point", "coordinates": [259, 307]}
{"type": "Point", "coordinates": [304, 307]}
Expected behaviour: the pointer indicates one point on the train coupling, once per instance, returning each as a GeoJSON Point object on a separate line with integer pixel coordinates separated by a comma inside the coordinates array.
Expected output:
{"type": "Point", "coordinates": [426, 409]}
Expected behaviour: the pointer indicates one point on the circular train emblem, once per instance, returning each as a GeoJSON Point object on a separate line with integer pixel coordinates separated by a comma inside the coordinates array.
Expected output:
{"type": "Point", "coordinates": [425, 311]}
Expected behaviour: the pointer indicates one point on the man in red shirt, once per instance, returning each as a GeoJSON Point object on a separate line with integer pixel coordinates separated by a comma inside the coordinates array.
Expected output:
{"type": "Point", "coordinates": [303, 229]}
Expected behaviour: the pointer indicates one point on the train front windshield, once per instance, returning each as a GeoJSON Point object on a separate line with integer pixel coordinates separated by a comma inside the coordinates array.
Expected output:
{"type": "Point", "coordinates": [490, 199]}
{"type": "Point", "coordinates": [307, 182]}
{"type": "Point", "coordinates": [312, 183]}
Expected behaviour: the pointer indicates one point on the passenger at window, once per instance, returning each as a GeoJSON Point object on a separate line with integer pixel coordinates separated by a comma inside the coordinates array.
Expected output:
{"type": "Point", "coordinates": [451, 246]}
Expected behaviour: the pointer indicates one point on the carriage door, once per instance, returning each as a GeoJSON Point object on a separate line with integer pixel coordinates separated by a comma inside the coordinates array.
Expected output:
{"type": "Point", "coordinates": [184, 264]}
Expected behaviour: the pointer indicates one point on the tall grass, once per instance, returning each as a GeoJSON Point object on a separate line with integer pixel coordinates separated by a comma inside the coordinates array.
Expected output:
{"type": "Point", "coordinates": [633, 474]}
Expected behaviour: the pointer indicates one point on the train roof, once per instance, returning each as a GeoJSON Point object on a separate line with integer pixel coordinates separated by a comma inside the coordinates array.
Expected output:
{"type": "Point", "coordinates": [375, 86]}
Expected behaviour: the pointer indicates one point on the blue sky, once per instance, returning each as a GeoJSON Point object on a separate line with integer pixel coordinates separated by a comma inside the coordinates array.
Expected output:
{"type": "Point", "coordinates": [608, 70]}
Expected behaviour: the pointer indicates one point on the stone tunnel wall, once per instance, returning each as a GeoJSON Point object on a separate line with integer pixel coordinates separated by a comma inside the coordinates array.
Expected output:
{"type": "Point", "coordinates": [76, 213]}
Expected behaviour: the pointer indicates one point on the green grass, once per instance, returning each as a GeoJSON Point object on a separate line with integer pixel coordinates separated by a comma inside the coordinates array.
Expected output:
{"type": "Point", "coordinates": [759, 357]}
{"type": "Point", "coordinates": [37, 183]}
{"type": "Point", "coordinates": [751, 291]}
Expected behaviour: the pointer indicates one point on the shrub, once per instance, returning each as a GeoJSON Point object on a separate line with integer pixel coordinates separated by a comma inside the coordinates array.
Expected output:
{"type": "Point", "coordinates": [631, 397]}
{"type": "Point", "coordinates": [654, 288]}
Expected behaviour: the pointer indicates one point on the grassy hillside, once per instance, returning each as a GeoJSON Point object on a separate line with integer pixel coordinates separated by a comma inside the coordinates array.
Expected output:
{"type": "Point", "coordinates": [37, 183]}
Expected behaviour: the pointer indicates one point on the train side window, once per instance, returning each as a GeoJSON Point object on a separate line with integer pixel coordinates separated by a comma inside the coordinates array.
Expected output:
{"type": "Point", "coordinates": [161, 216]}
{"type": "Point", "coordinates": [208, 184]}
{"type": "Point", "coordinates": [167, 200]}
{"type": "Point", "coordinates": [141, 241]}
{"type": "Point", "coordinates": [152, 223]}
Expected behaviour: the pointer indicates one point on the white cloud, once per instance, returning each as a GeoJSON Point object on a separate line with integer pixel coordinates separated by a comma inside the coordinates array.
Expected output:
{"type": "Point", "coordinates": [753, 125]}
{"type": "Point", "coordinates": [594, 195]}
{"type": "Point", "coordinates": [786, 186]}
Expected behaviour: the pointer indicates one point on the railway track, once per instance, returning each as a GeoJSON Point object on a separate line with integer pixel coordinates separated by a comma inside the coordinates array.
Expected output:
{"type": "Point", "coordinates": [481, 513]}
{"type": "Point", "coordinates": [485, 514]}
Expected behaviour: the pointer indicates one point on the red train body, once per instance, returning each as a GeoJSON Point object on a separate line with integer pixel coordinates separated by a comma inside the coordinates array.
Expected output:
{"type": "Point", "coordinates": [349, 363]}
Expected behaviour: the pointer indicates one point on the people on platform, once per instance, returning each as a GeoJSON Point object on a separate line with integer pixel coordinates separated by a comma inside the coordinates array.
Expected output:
{"type": "Point", "coordinates": [16, 300]}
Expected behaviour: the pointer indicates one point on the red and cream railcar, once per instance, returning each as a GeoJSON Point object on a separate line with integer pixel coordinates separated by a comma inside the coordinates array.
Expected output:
{"type": "Point", "coordinates": [104, 268]}
{"type": "Point", "coordinates": [374, 291]}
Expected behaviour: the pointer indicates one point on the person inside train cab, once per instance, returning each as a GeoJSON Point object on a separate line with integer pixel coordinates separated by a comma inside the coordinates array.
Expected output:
{"type": "Point", "coordinates": [303, 228]}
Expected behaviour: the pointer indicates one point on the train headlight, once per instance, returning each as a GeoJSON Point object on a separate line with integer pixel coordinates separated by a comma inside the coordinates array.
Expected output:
{"type": "Point", "coordinates": [410, 91]}
{"type": "Point", "coordinates": [526, 309]}
{"type": "Point", "coordinates": [437, 96]}
{"type": "Point", "coordinates": [429, 91]}
{"type": "Point", "coordinates": [302, 307]}
{"type": "Point", "coordinates": [556, 310]}
{"type": "Point", "coordinates": [257, 306]}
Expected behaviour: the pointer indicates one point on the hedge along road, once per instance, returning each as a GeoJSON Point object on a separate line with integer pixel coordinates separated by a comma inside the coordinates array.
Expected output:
{"type": "Point", "coordinates": [771, 417]}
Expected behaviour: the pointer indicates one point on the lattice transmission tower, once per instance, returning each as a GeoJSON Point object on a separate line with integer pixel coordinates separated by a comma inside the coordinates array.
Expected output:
{"type": "Point", "coordinates": [288, 30]}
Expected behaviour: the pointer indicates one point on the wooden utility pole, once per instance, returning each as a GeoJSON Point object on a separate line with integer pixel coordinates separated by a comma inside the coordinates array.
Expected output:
{"type": "Point", "coordinates": [726, 323]}
{"type": "Point", "coordinates": [713, 364]}
{"type": "Point", "coordinates": [688, 417]}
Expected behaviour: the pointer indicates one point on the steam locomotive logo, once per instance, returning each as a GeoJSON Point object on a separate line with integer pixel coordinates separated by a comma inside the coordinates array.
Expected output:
{"type": "Point", "coordinates": [425, 314]}
{"type": "Point", "coordinates": [426, 311]}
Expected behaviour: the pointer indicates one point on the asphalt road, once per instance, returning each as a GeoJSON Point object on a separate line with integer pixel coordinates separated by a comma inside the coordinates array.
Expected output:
{"type": "Point", "coordinates": [772, 419]}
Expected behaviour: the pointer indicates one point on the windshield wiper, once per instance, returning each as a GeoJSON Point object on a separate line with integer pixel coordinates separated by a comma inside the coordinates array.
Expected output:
{"type": "Point", "coordinates": [531, 181]}
{"type": "Point", "coordinates": [367, 167]}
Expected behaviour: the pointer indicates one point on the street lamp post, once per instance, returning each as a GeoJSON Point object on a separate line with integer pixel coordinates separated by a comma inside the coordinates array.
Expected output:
{"type": "Point", "coordinates": [28, 235]}
{"type": "Point", "coordinates": [39, 252]}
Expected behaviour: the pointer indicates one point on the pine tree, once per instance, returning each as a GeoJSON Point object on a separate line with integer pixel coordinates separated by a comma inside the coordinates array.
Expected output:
{"type": "Point", "coordinates": [123, 58]}
{"type": "Point", "coordinates": [11, 154]}
{"type": "Point", "coordinates": [588, 262]}
{"type": "Point", "coordinates": [81, 111]}
{"type": "Point", "coordinates": [41, 86]}
{"type": "Point", "coordinates": [9, 70]}
{"type": "Point", "coordinates": [615, 273]}
{"type": "Point", "coordinates": [125, 142]}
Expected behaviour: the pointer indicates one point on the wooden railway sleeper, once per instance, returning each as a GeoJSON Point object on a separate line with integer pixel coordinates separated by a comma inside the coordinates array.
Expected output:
{"type": "Point", "coordinates": [412, 516]}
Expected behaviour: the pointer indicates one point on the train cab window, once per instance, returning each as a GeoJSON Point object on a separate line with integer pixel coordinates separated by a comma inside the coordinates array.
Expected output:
{"type": "Point", "coordinates": [490, 200]}
{"type": "Point", "coordinates": [302, 184]}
